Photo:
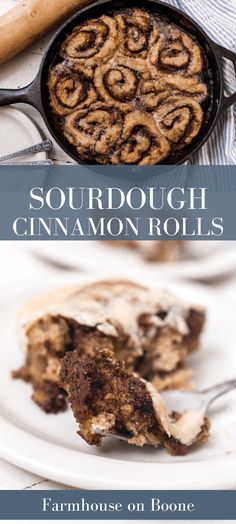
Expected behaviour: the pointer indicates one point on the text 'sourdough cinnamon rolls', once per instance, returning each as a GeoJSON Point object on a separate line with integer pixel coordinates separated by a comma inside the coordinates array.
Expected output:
{"type": "Point", "coordinates": [128, 88]}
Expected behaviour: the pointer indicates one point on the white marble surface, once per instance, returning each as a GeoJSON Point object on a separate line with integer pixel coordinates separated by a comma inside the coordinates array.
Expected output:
{"type": "Point", "coordinates": [18, 73]}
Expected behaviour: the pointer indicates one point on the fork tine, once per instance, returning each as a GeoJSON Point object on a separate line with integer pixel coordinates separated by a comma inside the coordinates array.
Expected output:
{"type": "Point", "coordinates": [218, 390]}
{"type": "Point", "coordinates": [197, 401]}
{"type": "Point", "coordinates": [222, 386]}
{"type": "Point", "coordinates": [113, 435]}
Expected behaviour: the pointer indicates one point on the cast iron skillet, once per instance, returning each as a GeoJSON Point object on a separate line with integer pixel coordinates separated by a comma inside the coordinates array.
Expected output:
{"type": "Point", "coordinates": [37, 94]}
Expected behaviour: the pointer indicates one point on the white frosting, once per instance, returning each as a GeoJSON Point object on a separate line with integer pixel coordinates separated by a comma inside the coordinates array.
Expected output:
{"type": "Point", "coordinates": [185, 429]}
{"type": "Point", "coordinates": [159, 408]}
{"type": "Point", "coordinates": [111, 307]}
{"type": "Point", "coordinates": [188, 427]}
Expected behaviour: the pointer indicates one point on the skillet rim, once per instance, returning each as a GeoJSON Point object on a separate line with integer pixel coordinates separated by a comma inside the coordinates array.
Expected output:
{"type": "Point", "coordinates": [213, 51]}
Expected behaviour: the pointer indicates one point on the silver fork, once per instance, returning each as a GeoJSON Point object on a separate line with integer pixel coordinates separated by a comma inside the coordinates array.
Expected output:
{"type": "Point", "coordinates": [183, 401]}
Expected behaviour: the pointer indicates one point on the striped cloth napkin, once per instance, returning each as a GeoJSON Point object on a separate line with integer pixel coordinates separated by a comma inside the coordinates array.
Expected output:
{"type": "Point", "coordinates": [218, 19]}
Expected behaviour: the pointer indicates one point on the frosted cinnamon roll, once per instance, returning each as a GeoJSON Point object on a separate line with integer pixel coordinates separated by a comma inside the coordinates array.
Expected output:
{"type": "Point", "coordinates": [94, 131]}
{"type": "Point", "coordinates": [69, 91]}
{"type": "Point", "coordinates": [92, 42]}
{"type": "Point", "coordinates": [102, 347]}
{"type": "Point", "coordinates": [179, 119]}
{"type": "Point", "coordinates": [176, 51]}
{"type": "Point", "coordinates": [142, 142]}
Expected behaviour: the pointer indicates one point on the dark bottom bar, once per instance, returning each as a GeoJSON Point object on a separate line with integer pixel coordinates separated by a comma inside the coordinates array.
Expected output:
{"type": "Point", "coordinates": [118, 505]}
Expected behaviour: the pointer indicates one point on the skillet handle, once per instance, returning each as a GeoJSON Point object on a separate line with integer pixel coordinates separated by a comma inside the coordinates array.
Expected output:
{"type": "Point", "coordinates": [226, 53]}
{"type": "Point", "coordinates": [28, 95]}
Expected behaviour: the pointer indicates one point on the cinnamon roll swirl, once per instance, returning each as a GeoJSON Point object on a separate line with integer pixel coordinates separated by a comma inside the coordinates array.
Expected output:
{"type": "Point", "coordinates": [117, 85]}
{"type": "Point", "coordinates": [94, 131]}
{"type": "Point", "coordinates": [142, 143]}
{"type": "Point", "coordinates": [176, 51]}
{"type": "Point", "coordinates": [179, 119]}
{"type": "Point", "coordinates": [129, 89]}
{"type": "Point", "coordinates": [92, 42]}
{"type": "Point", "coordinates": [69, 91]}
{"type": "Point", "coordinates": [137, 33]}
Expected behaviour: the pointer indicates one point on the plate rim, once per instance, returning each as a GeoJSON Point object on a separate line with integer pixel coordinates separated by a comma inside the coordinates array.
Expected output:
{"type": "Point", "coordinates": [90, 474]}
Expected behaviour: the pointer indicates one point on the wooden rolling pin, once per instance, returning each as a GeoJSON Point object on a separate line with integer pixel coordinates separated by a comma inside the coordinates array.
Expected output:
{"type": "Point", "coordinates": [29, 20]}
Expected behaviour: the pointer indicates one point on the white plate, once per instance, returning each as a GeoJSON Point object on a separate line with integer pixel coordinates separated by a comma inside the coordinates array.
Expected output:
{"type": "Point", "coordinates": [208, 259]}
{"type": "Point", "coordinates": [18, 132]}
{"type": "Point", "coordinates": [48, 445]}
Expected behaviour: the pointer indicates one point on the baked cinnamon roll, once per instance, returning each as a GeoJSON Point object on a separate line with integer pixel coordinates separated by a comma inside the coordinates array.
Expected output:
{"type": "Point", "coordinates": [142, 142]}
{"type": "Point", "coordinates": [179, 119]}
{"type": "Point", "coordinates": [117, 85]}
{"type": "Point", "coordinates": [68, 90]}
{"type": "Point", "coordinates": [94, 131]}
{"type": "Point", "coordinates": [175, 61]}
{"type": "Point", "coordinates": [137, 33]}
{"type": "Point", "coordinates": [92, 42]}
{"type": "Point", "coordinates": [177, 84]}
{"type": "Point", "coordinates": [176, 51]}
